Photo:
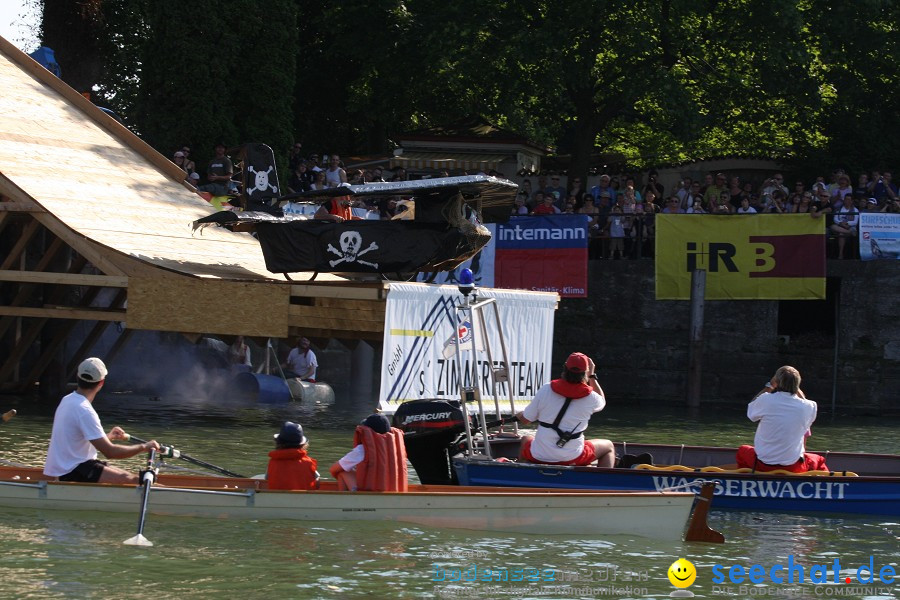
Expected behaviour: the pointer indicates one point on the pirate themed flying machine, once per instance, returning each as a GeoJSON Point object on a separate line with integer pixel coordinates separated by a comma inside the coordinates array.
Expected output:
{"type": "Point", "coordinates": [446, 228]}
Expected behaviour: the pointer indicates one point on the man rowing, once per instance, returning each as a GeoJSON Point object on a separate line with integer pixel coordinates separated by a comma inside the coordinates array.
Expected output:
{"type": "Point", "coordinates": [785, 417]}
{"type": "Point", "coordinates": [77, 435]}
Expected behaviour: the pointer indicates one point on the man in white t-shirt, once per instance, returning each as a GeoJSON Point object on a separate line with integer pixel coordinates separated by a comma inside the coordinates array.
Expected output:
{"type": "Point", "coordinates": [77, 435]}
{"type": "Point", "coordinates": [302, 361]}
{"type": "Point", "coordinates": [562, 409]}
{"type": "Point", "coordinates": [785, 417]}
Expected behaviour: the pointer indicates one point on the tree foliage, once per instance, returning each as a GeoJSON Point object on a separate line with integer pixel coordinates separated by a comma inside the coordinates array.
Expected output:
{"type": "Point", "coordinates": [657, 81]}
{"type": "Point", "coordinates": [857, 47]}
{"type": "Point", "coordinates": [75, 32]}
{"type": "Point", "coordinates": [217, 71]}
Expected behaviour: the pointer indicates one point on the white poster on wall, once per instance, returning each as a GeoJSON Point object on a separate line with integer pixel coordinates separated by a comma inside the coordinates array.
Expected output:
{"type": "Point", "coordinates": [879, 236]}
{"type": "Point", "coordinates": [419, 358]}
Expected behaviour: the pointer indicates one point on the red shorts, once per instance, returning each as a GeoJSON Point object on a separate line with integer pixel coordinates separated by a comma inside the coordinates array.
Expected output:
{"type": "Point", "coordinates": [746, 459]}
{"type": "Point", "coordinates": [586, 457]}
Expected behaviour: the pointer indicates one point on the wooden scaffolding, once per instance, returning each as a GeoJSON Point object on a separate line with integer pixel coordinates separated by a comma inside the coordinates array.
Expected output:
{"type": "Point", "coordinates": [95, 226]}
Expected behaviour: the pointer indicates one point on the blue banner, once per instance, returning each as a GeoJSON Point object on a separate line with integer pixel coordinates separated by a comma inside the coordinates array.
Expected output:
{"type": "Point", "coordinates": [544, 232]}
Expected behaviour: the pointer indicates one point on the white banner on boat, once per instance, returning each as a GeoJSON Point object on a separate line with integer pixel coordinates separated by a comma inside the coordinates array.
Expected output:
{"type": "Point", "coordinates": [419, 358]}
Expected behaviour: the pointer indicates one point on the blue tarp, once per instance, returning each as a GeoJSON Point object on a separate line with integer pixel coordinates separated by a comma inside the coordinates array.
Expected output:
{"type": "Point", "coordinates": [46, 57]}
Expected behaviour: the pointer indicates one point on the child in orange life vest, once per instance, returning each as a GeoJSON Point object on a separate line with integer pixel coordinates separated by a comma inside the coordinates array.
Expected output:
{"type": "Point", "coordinates": [345, 469]}
{"type": "Point", "coordinates": [290, 468]}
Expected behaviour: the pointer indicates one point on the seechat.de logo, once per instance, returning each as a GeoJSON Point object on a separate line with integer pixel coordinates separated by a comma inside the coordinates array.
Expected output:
{"type": "Point", "coordinates": [795, 572]}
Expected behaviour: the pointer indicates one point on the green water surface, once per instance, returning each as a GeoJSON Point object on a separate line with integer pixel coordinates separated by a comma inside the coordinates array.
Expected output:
{"type": "Point", "coordinates": [52, 554]}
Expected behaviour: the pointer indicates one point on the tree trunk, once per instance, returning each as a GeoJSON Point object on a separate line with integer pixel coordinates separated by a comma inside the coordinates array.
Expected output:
{"type": "Point", "coordinates": [584, 136]}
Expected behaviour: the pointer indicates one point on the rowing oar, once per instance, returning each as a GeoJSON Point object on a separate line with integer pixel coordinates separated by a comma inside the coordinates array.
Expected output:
{"type": "Point", "coordinates": [280, 370]}
{"type": "Point", "coordinates": [149, 476]}
{"type": "Point", "coordinates": [189, 459]}
{"type": "Point", "coordinates": [7, 416]}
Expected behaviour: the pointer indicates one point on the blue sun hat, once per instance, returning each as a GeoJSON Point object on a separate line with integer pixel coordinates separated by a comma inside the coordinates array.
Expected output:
{"type": "Point", "coordinates": [378, 422]}
{"type": "Point", "coordinates": [291, 434]}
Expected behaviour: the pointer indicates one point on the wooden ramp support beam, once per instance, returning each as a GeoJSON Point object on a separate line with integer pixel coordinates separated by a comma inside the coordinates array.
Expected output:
{"type": "Point", "coordinates": [360, 316]}
{"type": "Point", "coordinates": [25, 290]}
{"type": "Point", "coordinates": [186, 304]}
{"type": "Point", "coordinates": [16, 252]}
{"type": "Point", "coordinates": [52, 348]}
{"type": "Point", "coordinates": [30, 335]}
{"type": "Point", "coordinates": [92, 338]}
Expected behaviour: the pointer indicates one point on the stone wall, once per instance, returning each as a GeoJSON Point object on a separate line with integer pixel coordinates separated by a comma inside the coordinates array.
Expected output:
{"type": "Point", "coordinates": [641, 344]}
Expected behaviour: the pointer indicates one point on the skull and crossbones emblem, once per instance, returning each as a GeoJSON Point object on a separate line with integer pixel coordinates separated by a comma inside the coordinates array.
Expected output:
{"type": "Point", "coordinates": [261, 180]}
{"type": "Point", "coordinates": [351, 242]}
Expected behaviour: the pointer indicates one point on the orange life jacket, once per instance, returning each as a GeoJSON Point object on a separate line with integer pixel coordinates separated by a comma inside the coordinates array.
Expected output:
{"type": "Point", "coordinates": [291, 469]}
{"type": "Point", "coordinates": [342, 211]}
{"type": "Point", "coordinates": [384, 467]}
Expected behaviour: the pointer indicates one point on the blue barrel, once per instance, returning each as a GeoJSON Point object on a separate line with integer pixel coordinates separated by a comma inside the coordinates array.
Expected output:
{"type": "Point", "coordinates": [268, 389]}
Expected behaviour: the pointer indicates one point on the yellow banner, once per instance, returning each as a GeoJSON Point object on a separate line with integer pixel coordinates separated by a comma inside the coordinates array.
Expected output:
{"type": "Point", "coordinates": [746, 257]}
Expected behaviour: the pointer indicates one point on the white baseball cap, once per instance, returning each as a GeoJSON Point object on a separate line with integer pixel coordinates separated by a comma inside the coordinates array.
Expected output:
{"type": "Point", "coordinates": [92, 370]}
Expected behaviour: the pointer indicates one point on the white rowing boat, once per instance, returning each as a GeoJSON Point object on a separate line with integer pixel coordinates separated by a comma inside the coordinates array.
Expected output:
{"type": "Point", "coordinates": [517, 510]}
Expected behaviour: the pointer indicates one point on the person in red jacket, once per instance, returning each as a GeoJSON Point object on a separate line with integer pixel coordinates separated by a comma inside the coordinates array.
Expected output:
{"type": "Point", "coordinates": [290, 467]}
{"type": "Point", "coordinates": [562, 409]}
{"type": "Point", "coordinates": [377, 461]}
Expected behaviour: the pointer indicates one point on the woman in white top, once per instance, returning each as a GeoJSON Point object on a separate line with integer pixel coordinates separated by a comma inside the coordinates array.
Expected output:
{"type": "Point", "coordinates": [334, 174]}
{"type": "Point", "coordinates": [319, 183]}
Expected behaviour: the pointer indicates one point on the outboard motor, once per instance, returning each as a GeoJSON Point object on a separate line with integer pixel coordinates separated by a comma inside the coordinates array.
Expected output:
{"type": "Point", "coordinates": [431, 429]}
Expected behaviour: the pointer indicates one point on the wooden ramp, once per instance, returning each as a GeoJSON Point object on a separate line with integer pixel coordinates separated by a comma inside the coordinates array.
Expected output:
{"type": "Point", "coordinates": [86, 205]}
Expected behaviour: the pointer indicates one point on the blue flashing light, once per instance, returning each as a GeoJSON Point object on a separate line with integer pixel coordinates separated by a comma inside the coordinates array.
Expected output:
{"type": "Point", "coordinates": [466, 282]}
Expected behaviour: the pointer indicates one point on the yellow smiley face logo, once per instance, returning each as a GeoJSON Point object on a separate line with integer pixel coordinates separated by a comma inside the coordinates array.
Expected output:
{"type": "Point", "coordinates": [682, 573]}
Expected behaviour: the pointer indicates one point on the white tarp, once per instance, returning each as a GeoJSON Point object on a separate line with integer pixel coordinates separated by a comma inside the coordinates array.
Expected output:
{"type": "Point", "coordinates": [419, 358]}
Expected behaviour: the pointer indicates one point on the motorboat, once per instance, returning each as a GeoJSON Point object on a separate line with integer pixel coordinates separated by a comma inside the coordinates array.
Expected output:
{"type": "Point", "coordinates": [858, 483]}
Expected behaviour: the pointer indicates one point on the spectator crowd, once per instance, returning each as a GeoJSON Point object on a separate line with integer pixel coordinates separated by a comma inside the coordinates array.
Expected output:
{"type": "Point", "coordinates": [306, 173]}
{"type": "Point", "coordinates": [621, 211]}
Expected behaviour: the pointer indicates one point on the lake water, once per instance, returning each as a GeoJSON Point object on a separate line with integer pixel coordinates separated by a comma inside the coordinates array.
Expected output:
{"type": "Point", "coordinates": [49, 554]}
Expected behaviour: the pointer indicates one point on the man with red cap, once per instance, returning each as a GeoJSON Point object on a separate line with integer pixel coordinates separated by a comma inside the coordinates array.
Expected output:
{"type": "Point", "coordinates": [562, 409]}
